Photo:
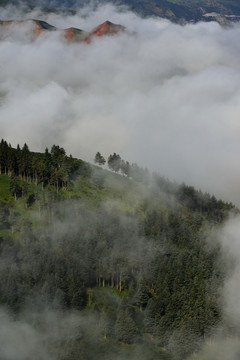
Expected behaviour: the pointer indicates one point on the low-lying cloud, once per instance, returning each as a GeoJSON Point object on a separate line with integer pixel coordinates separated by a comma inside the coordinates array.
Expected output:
{"type": "Point", "coordinates": [230, 241]}
{"type": "Point", "coordinates": [224, 342]}
{"type": "Point", "coordinates": [162, 95]}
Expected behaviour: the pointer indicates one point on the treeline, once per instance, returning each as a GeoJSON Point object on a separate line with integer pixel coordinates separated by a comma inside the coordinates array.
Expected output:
{"type": "Point", "coordinates": [147, 273]}
{"type": "Point", "coordinates": [53, 167]}
{"type": "Point", "coordinates": [118, 165]}
{"type": "Point", "coordinates": [186, 195]}
{"type": "Point", "coordinates": [193, 199]}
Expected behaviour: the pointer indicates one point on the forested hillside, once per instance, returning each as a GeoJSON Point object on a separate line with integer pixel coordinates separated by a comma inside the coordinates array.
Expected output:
{"type": "Point", "coordinates": [222, 11]}
{"type": "Point", "coordinates": [103, 264]}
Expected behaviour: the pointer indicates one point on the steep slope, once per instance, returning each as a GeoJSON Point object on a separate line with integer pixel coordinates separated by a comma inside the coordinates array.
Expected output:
{"type": "Point", "coordinates": [74, 34]}
{"type": "Point", "coordinates": [71, 34]}
{"type": "Point", "coordinates": [42, 26]}
{"type": "Point", "coordinates": [223, 11]}
{"type": "Point", "coordinates": [38, 25]}
{"type": "Point", "coordinates": [106, 28]}
{"type": "Point", "coordinates": [129, 257]}
{"type": "Point", "coordinates": [187, 10]}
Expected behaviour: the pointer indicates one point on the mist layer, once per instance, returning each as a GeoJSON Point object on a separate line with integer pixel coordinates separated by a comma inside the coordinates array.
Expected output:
{"type": "Point", "coordinates": [162, 95]}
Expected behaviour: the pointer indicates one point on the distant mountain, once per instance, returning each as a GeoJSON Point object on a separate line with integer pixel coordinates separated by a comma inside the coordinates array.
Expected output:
{"type": "Point", "coordinates": [72, 33]}
{"type": "Point", "coordinates": [223, 11]}
{"type": "Point", "coordinates": [106, 28]}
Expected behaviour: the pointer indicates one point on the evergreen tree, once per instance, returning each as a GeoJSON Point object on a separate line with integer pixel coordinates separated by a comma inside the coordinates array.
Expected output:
{"type": "Point", "coordinates": [25, 162]}
{"type": "Point", "coordinates": [47, 168]}
{"type": "Point", "coordinates": [3, 157]}
{"type": "Point", "coordinates": [114, 162]}
{"type": "Point", "coordinates": [99, 159]}
{"type": "Point", "coordinates": [125, 327]}
{"type": "Point", "coordinates": [12, 162]}
{"type": "Point", "coordinates": [14, 186]}
{"type": "Point", "coordinates": [58, 155]}
{"type": "Point", "coordinates": [125, 168]}
{"type": "Point", "coordinates": [142, 296]}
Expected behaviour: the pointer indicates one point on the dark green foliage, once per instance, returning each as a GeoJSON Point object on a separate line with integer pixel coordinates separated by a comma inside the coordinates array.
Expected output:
{"type": "Point", "coordinates": [51, 168]}
{"type": "Point", "coordinates": [4, 217]}
{"type": "Point", "coordinates": [57, 155]}
{"type": "Point", "coordinates": [4, 151]}
{"type": "Point", "coordinates": [125, 327]}
{"type": "Point", "coordinates": [99, 159]}
{"type": "Point", "coordinates": [25, 162]}
{"type": "Point", "coordinates": [196, 200]}
{"type": "Point", "coordinates": [82, 169]}
{"type": "Point", "coordinates": [142, 295]}
{"type": "Point", "coordinates": [146, 275]}
{"type": "Point", "coordinates": [114, 162]}
{"type": "Point", "coordinates": [30, 200]}
{"type": "Point", "coordinates": [15, 187]}
{"type": "Point", "coordinates": [166, 292]}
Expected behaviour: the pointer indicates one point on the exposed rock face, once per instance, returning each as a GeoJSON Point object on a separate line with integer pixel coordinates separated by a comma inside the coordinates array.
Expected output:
{"type": "Point", "coordinates": [106, 28]}
{"type": "Point", "coordinates": [36, 26]}
{"type": "Point", "coordinates": [41, 26]}
{"type": "Point", "coordinates": [71, 34]}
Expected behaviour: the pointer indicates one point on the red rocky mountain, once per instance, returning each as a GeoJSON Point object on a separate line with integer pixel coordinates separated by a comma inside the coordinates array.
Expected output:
{"type": "Point", "coordinates": [72, 34]}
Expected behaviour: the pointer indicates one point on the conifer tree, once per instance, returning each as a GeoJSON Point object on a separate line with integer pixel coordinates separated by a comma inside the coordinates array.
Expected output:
{"type": "Point", "coordinates": [99, 159]}
{"type": "Point", "coordinates": [25, 162]}
{"type": "Point", "coordinates": [125, 327]}
{"type": "Point", "coordinates": [3, 157]}
{"type": "Point", "coordinates": [14, 186]}
{"type": "Point", "coordinates": [114, 162]}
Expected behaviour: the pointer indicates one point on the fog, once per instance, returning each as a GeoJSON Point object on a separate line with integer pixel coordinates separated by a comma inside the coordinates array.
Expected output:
{"type": "Point", "coordinates": [162, 95]}
{"type": "Point", "coordinates": [229, 238]}
{"type": "Point", "coordinates": [224, 342]}
{"type": "Point", "coordinates": [43, 327]}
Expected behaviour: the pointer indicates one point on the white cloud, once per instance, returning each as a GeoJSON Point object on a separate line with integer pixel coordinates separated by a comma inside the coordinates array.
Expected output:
{"type": "Point", "coordinates": [229, 238]}
{"type": "Point", "coordinates": [165, 96]}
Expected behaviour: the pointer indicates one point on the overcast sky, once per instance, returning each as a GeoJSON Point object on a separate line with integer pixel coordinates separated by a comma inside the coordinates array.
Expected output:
{"type": "Point", "coordinates": [162, 95]}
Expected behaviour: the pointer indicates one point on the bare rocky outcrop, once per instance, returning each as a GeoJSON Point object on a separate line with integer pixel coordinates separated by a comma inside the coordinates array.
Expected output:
{"type": "Point", "coordinates": [71, 34]}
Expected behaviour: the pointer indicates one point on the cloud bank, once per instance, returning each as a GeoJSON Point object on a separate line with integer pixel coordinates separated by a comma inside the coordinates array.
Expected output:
{"type": "Point", "coordinates": [162, 95]}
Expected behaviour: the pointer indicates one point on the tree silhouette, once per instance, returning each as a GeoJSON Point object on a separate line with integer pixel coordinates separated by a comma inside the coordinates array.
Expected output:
{"type": "Point", "coordinates": [114, 162]}
{"type": "Point", "coordinates": [99, 159]}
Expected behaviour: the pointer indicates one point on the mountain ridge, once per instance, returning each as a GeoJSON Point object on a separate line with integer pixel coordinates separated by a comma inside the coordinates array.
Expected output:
{"type": "Point", "coordinates": [222, 11]}
{"type": "Point", "coordinates": [72, 34]}
{"type": "Point", "coordinates": [188, 11]}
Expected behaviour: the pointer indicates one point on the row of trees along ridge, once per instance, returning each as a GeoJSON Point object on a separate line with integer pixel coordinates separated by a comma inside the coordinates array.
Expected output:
{"type": "Point", "coordinates": [49, 168]}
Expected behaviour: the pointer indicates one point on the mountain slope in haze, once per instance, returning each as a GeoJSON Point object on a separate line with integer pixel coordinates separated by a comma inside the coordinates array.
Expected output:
{"type": "Point", "coordinates": [223, 11]}
{"type": "Point", "coordinates": [106, 28]}
{"type": "Point", "coordinates": [128, 261]}
{"type": "Point", "coordinates": [71, 34]}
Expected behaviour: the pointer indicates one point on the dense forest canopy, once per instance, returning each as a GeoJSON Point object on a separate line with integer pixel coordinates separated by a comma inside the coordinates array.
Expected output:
{"type": "Point", "coordinates": [120, 259]}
